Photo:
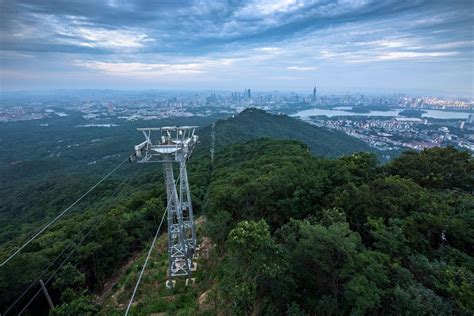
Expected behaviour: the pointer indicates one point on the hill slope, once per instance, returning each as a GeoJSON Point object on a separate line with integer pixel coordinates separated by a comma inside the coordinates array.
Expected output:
{"type": "Point", "coordinates": [319, 236]}
{"type": "Point", "coordinates": [253, 123]}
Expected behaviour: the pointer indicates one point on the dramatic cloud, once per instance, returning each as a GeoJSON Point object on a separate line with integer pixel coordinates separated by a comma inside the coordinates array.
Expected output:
{"type": "Point", "coordinates": [282, 44]}
{"type": "Point", "coordinates": [154, 69]}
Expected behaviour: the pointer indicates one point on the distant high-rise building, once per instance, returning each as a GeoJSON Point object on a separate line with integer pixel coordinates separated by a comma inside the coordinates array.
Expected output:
{"type": "Point", "coordinates": [313, 98]}
{"type": "Point", "coordinates": [470, 119]}
{"type": "Point", "coordinates": [247, 94]}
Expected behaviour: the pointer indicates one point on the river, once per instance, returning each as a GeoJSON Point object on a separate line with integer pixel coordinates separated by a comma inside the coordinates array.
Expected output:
{"type": "Point", "coordinates": [343, 111]}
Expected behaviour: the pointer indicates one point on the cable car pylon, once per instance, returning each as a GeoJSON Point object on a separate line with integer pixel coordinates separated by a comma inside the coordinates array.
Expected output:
{"type": "Point", "coordinates": [168, 145]}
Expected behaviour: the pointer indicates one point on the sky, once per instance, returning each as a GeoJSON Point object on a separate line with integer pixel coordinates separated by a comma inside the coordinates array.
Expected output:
{"type": "Point", "coordinates": [374, 46]}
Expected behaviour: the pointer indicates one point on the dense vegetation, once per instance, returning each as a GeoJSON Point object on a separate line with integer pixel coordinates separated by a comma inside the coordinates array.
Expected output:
{"type": "Point", "coordinates": [321, 236]}
{"type": "Point", "coordinates": [412, 113]}
{"type": "Point", "coordinates": [38, 161]}
{"type": "Point", "coordinates": [45, 168]}
{"type": "Point", "coordinates": [294, 233]}
{"type": "Point", "coordinates": [253, 124]}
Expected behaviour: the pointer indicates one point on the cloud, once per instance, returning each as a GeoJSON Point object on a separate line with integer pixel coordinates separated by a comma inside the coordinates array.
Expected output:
{"type": "Point", "coordinates": [249, 40]}
{"type": "Point", "coordinates": [77, 31]}
{"type": "Point", "coordinates": [112, 39]}
{"type": "Point", "coordinates": [271, 7]}
{"type": "Point", "coordinates": [414, 55]}
{"type": "Point", "coordinates": [391, 43]}
{"type": "Point", "coordinates": [154, 69]}
{"type": "Point", "coordinates": [198, 27]}
{"type": "Point", "coordinates": [300, 68]}
{"type": "Point", "coordinates": [271, 50]}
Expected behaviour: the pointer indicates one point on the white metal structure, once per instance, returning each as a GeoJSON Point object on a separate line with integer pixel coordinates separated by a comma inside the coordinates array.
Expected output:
{"type": "Point", "coordinates": [167, 145]}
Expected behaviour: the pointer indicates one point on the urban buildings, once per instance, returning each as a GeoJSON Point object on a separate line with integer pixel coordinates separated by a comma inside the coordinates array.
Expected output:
{"type": "Point", "coordinates": [385, 122]}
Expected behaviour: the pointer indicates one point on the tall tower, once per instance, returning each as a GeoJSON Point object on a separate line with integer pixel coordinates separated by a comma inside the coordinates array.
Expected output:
{"type": "Point", "coordinates": [313, 98]}
{"type": "Point", "coordinates": [247, 94]}
{"type": "Point", "coordinates": [168, 145]}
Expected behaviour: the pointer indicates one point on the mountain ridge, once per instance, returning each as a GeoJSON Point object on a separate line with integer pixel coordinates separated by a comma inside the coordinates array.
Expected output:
{"type": "Point", "coordinates": [254, 123]}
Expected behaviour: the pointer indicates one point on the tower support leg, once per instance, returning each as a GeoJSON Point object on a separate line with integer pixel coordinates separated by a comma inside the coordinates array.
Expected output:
{"type": "Point", "coordinates": [179, 262]}
{"type": "Point", "coordinates": [187, 208]}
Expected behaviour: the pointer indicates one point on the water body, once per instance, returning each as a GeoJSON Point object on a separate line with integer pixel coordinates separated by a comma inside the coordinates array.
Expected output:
{"type": "Point", "coordinates": [343, 111]}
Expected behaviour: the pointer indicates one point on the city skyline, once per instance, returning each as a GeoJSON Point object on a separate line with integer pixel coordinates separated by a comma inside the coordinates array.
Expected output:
{"type": "Point", "coordinates": [417, 47]}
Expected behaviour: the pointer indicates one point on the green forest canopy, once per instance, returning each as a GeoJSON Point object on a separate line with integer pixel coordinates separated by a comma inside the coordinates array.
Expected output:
{"type": "Point", "coordinates": [316, 235]}
{"type": "Point", "coordinates": [341, 236]}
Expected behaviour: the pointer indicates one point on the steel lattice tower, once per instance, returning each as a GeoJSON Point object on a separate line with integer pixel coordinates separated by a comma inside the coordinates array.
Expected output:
{"type": "Point", "coordinates": [168, 145]}
{"type": "Point", "coordinates": [213, 141]}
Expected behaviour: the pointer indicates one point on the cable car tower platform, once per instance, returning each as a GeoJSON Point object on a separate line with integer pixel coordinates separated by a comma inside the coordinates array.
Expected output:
{"type": "Point", "coordinates": [168, 145]}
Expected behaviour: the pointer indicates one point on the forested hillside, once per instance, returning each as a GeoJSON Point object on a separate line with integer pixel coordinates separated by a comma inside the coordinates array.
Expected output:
{"type": "Point", "coordinates": [46, 164]}
{"type": "Point", "coordinates": [297, 234]}
{"type": "Point", "coordinates": [342, 236]}
{"type": "Point", "coordinates": [315, 235]}
{"type": "Point", "coordinates": [254, 123]}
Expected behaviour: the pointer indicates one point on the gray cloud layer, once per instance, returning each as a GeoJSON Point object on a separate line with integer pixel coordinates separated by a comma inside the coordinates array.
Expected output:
{"type": "Point", "coordinates": [150, 38]}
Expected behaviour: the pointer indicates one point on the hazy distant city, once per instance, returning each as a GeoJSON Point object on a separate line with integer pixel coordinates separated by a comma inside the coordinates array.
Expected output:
{"type": "Point", "coordinates": [384, 122]}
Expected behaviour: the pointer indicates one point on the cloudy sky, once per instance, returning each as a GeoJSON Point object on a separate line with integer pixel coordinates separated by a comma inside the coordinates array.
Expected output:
{"type": "Point", "coordinates": [379, 46]}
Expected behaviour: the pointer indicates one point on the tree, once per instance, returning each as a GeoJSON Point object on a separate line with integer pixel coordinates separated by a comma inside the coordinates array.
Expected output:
{"type": "Point", "coordinates": [437, 168]}
{"type": "Point", "coordinates": [316, 264]}
{"type": "Point", "coordinates": [389, 239]}
{"type": "Point", "coordinates": [387, 198]}
{"type": "Point", "coordinates": [253, 257]}
{"type": "Point", "coordinates": [367, 280]}
{"type": "Point", "coordinates": [362, 165]}
{"type": "Point", "coordinates": [69, 282]}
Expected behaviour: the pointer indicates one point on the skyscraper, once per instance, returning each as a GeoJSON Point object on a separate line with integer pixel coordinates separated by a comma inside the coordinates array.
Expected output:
{"type": "Point", "coordinates": [247, 94]}
{"type": "Point", "coordinates": [470, 119]}
{"type": "Point", "coordinates": [313, 98]}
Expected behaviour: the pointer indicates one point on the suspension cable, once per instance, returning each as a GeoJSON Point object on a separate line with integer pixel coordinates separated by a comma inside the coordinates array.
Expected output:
{"type": "Point", "coordinates": [63, 262]}
{"type": "Point", "coordinates": [117, 193]}
{"type": "Point", "coordinates": [61, 214]}
{"type": "Point", "coordinates": [145, 264]}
